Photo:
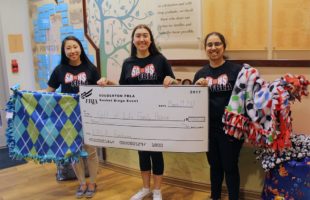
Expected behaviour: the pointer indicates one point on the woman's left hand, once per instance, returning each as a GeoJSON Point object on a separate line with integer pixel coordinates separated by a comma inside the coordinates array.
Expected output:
{"type": "Point", "coordinates": [103, 81]}
{"type": "Point", "coordinates": [170, 81]}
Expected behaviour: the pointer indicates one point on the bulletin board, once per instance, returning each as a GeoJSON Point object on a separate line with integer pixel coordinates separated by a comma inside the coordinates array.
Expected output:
{"type": "Point", "coordinates": [51, 21]}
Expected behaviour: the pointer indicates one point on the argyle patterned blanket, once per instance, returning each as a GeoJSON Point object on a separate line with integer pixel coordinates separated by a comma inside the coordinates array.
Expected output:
{"type": "Point", "coordinates": [45, 127]}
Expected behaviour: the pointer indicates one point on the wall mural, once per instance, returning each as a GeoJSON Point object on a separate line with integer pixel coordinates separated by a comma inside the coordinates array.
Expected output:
{"type": "Point", "coordinates": [109, 25]}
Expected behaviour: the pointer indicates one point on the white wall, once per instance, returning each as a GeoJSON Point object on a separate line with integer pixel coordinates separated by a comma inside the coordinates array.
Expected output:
{"type": "Point", "coordinates": [15, 20]}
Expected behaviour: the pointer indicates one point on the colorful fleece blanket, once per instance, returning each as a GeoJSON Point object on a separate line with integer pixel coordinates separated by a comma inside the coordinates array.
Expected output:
{"type": "Point", "coordinates": [259, 111]}
{"type": "Point", "coordinates": [45, 127]}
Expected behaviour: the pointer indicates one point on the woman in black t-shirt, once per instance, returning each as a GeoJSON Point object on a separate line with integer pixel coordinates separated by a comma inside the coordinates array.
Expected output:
{"type": "Point", "coordinates": [146, 66]}
{"type": "Point", "coordinates": [75, 69]}
{"type": "Point", "coordinates": [220, 76]}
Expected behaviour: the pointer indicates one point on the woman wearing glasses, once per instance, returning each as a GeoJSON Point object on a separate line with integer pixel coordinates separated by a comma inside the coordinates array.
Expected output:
{"type": "Point", "coordinates": [220, 76]}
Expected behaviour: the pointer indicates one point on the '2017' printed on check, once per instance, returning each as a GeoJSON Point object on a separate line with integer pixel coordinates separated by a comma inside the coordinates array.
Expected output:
{"type": "Point", "coordinates": [151, 118]}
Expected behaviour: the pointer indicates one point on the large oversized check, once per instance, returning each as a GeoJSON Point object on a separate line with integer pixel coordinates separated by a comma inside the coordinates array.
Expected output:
{"type": "Point", "coordinates": [151, 118]}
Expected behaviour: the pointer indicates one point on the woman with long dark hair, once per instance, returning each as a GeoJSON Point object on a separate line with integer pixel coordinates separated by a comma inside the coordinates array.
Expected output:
{"type": "Point", "coordinates": [147, 66]}
{"type": "Point", "coordinates": [220, 76]}
{"type": "Point", "coordinates": [76, 69]}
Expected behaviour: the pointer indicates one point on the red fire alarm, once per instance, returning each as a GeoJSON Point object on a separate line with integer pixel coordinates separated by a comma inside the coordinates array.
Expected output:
{"type": "Point", "coordinates": [14, 66]}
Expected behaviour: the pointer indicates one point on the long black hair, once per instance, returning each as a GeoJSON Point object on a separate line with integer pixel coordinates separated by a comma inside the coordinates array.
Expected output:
{"type": "Point", "coordinates": [152, 48]}
{"type": "Point", "coordinates": [65, 60]}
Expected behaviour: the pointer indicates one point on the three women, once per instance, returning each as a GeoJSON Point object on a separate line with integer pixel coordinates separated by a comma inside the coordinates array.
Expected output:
{"type": "Point", "coordinates": [146, 66]}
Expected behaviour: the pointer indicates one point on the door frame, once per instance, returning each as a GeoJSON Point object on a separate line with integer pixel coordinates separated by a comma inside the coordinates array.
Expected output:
{"type": "Point", "coordinates": [4, 87]}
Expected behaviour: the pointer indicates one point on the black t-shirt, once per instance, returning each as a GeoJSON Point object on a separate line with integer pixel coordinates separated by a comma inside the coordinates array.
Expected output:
{"type": "Point", "coordinates": [145, 71]}
{"type": "Point", "coordinates": [71, 77]}
{"type": "Point", "coordinates": [221, 81]}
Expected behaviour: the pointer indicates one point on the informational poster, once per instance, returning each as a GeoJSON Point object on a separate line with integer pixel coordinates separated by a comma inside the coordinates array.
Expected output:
{"type": "Point", "coordinates": [179, 23]}
{"type": "Point", "coordinates": [152, 118]}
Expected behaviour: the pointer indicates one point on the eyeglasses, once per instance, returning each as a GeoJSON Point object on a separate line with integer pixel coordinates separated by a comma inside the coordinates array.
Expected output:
{"type": "Point", "coordinates": [216, 44]}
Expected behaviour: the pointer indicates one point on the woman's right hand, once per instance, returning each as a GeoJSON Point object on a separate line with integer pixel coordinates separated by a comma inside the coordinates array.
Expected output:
{"type": "Point", "coordinates": [202, 82]}
{"type": "Point", "coordinates": [170, 81]}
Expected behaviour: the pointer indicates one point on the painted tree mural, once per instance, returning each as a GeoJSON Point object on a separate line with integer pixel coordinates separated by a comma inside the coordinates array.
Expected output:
{"type": "Point", "coordinates": [109, 25]}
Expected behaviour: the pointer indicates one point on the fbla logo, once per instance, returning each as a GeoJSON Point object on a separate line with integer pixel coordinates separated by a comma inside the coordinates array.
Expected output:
{"type": "Point", "coordinates": [88, 94]}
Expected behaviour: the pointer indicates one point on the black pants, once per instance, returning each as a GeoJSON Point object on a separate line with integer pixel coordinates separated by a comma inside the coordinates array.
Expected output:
{"type": "Point", "coordinates": [223, 157]}
{"type": "Point", "coordinates": [151, 160]}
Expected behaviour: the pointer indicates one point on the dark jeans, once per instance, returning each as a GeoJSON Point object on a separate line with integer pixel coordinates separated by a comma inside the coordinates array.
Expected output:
{"type": "Point", "coordinates": [151, 160]}
{"type": "Point", "coordinates": [223, 157]}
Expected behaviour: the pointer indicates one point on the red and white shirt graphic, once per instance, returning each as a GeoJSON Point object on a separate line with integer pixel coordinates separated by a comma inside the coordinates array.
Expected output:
{"type": "Point", "coordinates": [76, 80]}
{"type": "Point", "coordinates": [137, 70]}
{"type": "Point", "coordinates": [218, 84]}
{"type": "Point", "coordinates": [144, 73]}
